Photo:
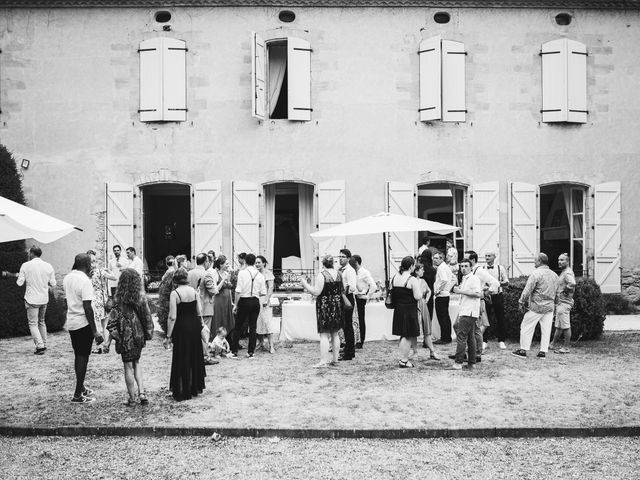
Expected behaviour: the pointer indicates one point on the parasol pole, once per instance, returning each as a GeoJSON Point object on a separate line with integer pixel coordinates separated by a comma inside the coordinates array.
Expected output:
{"type": "Point", "coordinates": [386, 261]}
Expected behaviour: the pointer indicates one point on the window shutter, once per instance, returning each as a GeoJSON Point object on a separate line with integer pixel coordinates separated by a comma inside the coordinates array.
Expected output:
{"type": "Point", "coordinates": [331, 212]}
{"type": "Point", "coordinates": [258, 63]}
{"type": "Point", "coordinates": [174, 74]}
{"type": "Point", "coordinates": [119, 216]}
{"type": "Point", "coordinates": [299, 79]}
{"type": "Point", "coordinates": [246, 224]}
{"type": "Point", "coordinates": [486, 219]}
{"type": "Point", "coordinates": [150, 80]}
{"type": "Point", "coordinates": [401, 201]}
{"type": "Point", "coordinates": [607, 237]}
{"type": "Point", "coordinates": [524, 231]}
{"type": "Point", "coordinates": [554, 81]}
{"type": "Point", "coordinates": [454, 57]}
{"type": "Point", "coordinates": [576, 82]}
{"type": "Point", "coordinates": [430, 79]}
{"type": "Point", "coordinates": [207, 216]}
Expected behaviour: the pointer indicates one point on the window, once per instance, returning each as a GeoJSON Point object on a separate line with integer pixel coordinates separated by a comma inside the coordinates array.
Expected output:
{"type": "Point", "coordinates": [442, 80]}
{"type": "Point", "coordinates": [281, 71]}
{"type": "Point", "coordinates": [163, 87]}
{"type": "Point", "coordinates": [564, 81]}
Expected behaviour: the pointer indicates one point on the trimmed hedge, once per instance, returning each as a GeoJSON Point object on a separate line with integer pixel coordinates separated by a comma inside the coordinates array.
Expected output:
{"type": "Point", "coordinates": [10, 188]}
{"type": "Point", "coordinates": [587, 315]}
{"type": "Point", "coordinates": [617, 304]}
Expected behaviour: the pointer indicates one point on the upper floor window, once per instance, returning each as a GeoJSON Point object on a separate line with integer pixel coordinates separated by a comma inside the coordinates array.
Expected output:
{"type": "Point", "coordinates": [281, 72]}
{"type": "Point", "coordinates": [564, 81]}
{"type": "Point", "coordinates": [442, 80]}
{"type": "Point", "coordinates": [163, 80]}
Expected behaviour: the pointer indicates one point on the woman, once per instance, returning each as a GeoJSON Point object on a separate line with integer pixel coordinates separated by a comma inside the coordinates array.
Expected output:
{"type": "Point", "coordinates": [100, 303]}
{"type": "Point", "coordinates": [423, 311]}
{"type": "Point", "coordinates": [222, 303]}
{"type": "Point", "coordinates": [183, 331]}
{"type": "Point", "coordinates": [406, 293]}
{"type": "Point", "coordinates": [329, 309]}
{"type": "Point", "coordinates": [130, 325]}
{"type": "Point", "coordinates": [265, 327]}
{"type": "Point", "coordinates": [429, 275]}
{"type": "Point", "coordinates": [164, 292]}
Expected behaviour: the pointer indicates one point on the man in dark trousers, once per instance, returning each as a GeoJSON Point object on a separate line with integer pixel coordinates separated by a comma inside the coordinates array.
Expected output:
{"type": "Point", "coordinates": [251, 285]}
{"type": "Point", "coordinates": [350, 282]}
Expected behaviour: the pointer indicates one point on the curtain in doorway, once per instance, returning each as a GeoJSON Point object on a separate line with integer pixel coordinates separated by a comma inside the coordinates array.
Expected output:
{"type": "Point", "coordinates": [269, 220]}
{"type": "Point", "coordinates": [305, 224]}
{"type": "Point", "coordinates": [566, 194]}
{"type": "Point", "coordinates": [277, 68]}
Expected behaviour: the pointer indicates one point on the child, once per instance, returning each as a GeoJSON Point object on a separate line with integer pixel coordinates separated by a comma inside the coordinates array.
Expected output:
{"type": "Point", "coordinates": [219, 345]}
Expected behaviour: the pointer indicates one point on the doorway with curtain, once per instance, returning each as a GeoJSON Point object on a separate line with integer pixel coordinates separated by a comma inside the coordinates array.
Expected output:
{"type": "Point", "coordinates": [562, 224]}
{"type": "Point", "coordinates": [288, 222]}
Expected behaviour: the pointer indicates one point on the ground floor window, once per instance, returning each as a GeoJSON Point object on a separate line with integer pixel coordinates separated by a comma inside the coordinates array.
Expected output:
{"type": "Point", "coordinates": [444, 203]}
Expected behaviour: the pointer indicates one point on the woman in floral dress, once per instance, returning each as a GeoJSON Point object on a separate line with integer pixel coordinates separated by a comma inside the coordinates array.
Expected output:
{"type": "Point", "coordinates": [265, 326]}
{"type": "Point", "coordinates": [99, 277]}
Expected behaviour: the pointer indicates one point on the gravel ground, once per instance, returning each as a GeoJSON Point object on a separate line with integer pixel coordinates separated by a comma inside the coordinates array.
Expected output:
{"type": "Point", "coordinates": [598, 384]}
{"type": "Point", "coordinates": [200, 457]}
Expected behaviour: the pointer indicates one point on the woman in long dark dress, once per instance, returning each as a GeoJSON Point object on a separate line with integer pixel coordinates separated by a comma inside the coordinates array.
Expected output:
{"type": "Point", "coordinates": [406, 293]}
{"type": "Point", "coordinates": [329, 309]}
{"type": "Point", "coordinates": [184, 331]}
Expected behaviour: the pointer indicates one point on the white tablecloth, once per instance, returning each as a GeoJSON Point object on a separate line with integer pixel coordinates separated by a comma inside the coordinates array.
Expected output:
{"type": "Point", "coordinates": [299, 321]}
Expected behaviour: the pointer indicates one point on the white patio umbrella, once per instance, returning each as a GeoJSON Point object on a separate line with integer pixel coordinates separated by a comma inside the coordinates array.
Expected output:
{"type": "Point", "coordinates": [384, 223]}
{"type": "Point", "coordinates": [18, 222]}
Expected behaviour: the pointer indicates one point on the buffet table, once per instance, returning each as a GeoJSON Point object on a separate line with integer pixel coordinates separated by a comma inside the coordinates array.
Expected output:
{"type": "Point", "coordinates": [299, 321]}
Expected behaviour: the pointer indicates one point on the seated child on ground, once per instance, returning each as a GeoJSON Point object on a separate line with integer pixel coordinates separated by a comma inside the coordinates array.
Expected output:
{"type": "Point", "coordinates": [219, 345]}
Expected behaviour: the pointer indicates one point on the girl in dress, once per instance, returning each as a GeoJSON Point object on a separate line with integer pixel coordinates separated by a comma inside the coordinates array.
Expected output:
{"type": "Point", "coordinates": [423, 311]}
{"type": "Point", "coordinates": [406, 294]}
{"type": "Point", "coordinates": [265, 326]}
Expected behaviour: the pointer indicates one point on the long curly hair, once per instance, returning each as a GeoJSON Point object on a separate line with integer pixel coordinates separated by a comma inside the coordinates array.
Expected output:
{"type": "Point", "coordinates": [129, 287]}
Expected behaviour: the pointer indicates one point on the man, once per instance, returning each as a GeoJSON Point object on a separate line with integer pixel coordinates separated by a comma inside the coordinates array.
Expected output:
{"type": "Point", "coordinates": [442, 291]}
{"type": "Point", "coordinates": [470, 291]}
{"type": "Point", "coordinates": [350, 283]}
{"type": "Point", "coordinates": [489, 286]}
{"type": "Point", "coordinates": [539, 294]}
{"type": "Point", "coordinates": [251, 285]}
{"type": "Point", "coordinates": [365, 285]}
{"type": "Point", "coordinates": [495, 308]}
{"type": "Point", "coordinates": [81, 323]}
{"type": "Point", "coordinates": [564, 303]}
{"type": "Point", "coordinates": [212, 257]}
{"type": "Point", "coordinates": [135, 262]}
{"type": "Point", "coordinates": [38, 275]}
{"type": "Point", "coordinates": [425, 245]}
{"type": "Point", "coordinates": [199, 279]}
{"type": "Point", "coordinates": [117, 263]}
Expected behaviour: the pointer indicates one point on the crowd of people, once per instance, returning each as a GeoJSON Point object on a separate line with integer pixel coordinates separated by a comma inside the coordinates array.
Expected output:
{"type": "Point", "coordinates": [207, 309]}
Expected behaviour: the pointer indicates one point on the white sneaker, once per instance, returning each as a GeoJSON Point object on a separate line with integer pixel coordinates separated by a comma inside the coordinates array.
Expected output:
{"type": "Point", "coordinates": [502, 346]}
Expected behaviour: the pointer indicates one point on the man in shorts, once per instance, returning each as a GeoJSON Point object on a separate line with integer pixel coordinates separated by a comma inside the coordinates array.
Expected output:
{"type": "Point", "coordinates": [81, 323]}
{"type": "Point", "coordinates": [564, 302]}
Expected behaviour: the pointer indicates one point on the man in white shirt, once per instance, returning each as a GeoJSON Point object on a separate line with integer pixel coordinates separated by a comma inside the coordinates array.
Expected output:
{"type": "Point", "coordinates": [81, 323]}
{"type": "Point", "coordinates": [495, 308]}
{"type": "Point", "coordinates": [425, 244]}
{"type": "Point", "coordinates": [470, 291]}
{"type": "Point", "coordinates": [441, 291]}
{"type": "Point", "coordinates": [350, 283]}
{"type": "Point", "coordinates": [135, 262]}
{"type": "Point", "coordinates": [197, 278]}
{"type": "Point", "coordinates": [250, 287]}
{"type": "Point", "coordinates": [38, 275]}
{"type": "Point", "coordinates": [365, 285]}
{"type": "Point", "coordinates": [490, 286]}
{"type": "Point", "coordinates": [117, 263]}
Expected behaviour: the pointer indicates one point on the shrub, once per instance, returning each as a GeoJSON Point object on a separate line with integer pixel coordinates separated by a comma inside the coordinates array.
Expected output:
{"type": "Point", "coordinates": [10, 188]}
{"type": "Point", "coordinates": [587, 315]}
{"type": "Point", "coordinates": [616, 304]}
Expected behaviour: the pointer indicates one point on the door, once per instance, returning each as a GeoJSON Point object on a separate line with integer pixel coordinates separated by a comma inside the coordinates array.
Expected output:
{"type": "Point", "coordinates": [401, 201]}
{"type": "Point", "coordinates": [486, 218]}
{"type": "Point", "coordinates": [331, 212]}
{"type": "Point", "coordinates": [524, 228]}
{"type": "Point", "coordinates": [119, 215]}
{"type": "Point", "coordinates": [207, 216]}
{"type": "Point", "coordinates": [246, 224]}
{"type": "Point", "coordinates": [607, 237]}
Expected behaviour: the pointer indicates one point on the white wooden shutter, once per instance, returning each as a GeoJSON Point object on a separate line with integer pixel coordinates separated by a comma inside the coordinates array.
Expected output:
{"type": "Point", "coordinates": [150, 80]}
{"type": "Point", "coordinates": [331, 212]}
{"type": "Point", "coordinates": [607, 237]}
{"type": "Point", "coordinates": [430, 53]}
{"type": "Point", "coordinates": [119, 216]}
{"type": "Point", "coordinates": [454, 58]}
{"type": "Point", "coordinates": [174, 85]}
{"type": "Point", "coordinates": [246, 224]}
{"type": "Point", "coordinates": [554, 80]}
{"type": "Point", "coordinates": [576, 82]}
{"type": "Point", "coordinates": [258, 63]}
{"type": "Point", "coordinates": [401, 201]}
{"type": "Point", "coordinates": [524, 231]}
{"type": "Point", "coordinates": [298, 79]}
{"type": "Point", "coordinates": [486, 219]}
{"type": "Point", "coordinates": [207, 216]}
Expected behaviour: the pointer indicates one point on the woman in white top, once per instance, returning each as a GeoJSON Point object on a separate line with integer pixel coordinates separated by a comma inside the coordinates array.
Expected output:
{"type": "Point", "coordinates": [265, 327]}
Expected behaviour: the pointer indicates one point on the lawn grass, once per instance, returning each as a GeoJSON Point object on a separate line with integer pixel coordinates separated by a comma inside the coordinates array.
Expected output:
{"type": "Point", "coordinates": [597, 384]}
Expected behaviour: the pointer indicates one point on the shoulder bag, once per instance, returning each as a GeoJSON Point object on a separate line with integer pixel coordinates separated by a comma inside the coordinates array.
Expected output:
{"type": "Point", "coordinates": [388, 300]}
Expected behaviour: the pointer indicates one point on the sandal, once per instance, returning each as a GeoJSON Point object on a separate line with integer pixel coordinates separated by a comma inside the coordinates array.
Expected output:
{"type": "Point", "coordinates": [406, 364]}
{"type": "Point", "coordinates": [433, 356]}
{"type": "Point", "coordinates": [97, 350]}
{"type": "Point", "coordinates": [143, 398]}
{"type": "Point", "coordinates": [130, 402]}
{"type": "Point", "coordinates": [105, 349]}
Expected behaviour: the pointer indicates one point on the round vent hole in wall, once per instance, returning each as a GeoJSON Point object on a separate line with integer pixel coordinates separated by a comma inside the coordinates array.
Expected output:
{"type": "Point", "coordinates": [441, 17]}
{"type": "Point", "coordinates": [287, 16]}
{"type": "Point", "coordinates": [163, 16]}
{"type": "Point", "coordinates": [563, 19]}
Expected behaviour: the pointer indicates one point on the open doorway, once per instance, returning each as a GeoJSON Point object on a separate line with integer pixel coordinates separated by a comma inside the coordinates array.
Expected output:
{"type": "Point", "coordinates": [167, 224]}
{"type": "Point", "coordinates": [562, 224]}
{"type": "Point", "coordinates": [444, 203]}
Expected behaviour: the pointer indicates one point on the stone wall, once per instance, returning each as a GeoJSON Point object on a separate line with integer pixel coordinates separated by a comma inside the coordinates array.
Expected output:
{"type": "Point", "coordinates": [631, 284]}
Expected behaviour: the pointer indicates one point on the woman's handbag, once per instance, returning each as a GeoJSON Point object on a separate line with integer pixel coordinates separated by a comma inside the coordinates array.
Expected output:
{"type": "Point", "coordinates": [388, 300]}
